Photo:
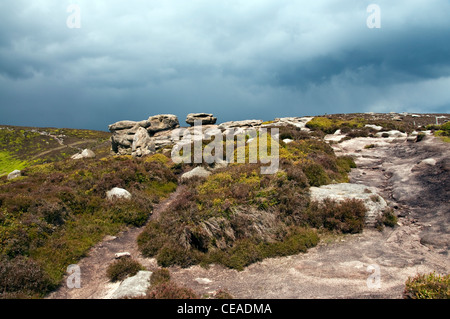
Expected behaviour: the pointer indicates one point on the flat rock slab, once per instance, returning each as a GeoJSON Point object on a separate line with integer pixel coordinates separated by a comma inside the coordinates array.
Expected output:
{"type": "Point", "coordinates": [135, 286]}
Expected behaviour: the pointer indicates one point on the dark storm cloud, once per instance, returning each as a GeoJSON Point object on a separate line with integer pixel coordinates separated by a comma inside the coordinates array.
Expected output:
{"type": "Point", "coordinates": [237, 59]}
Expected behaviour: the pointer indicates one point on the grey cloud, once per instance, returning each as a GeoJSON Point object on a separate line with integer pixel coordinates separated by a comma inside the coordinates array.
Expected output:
{"type": "Point", "coordinates": [237, 59]}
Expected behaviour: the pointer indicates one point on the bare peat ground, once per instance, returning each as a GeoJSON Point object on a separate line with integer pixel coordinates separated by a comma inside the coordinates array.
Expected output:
{"type": "Point", "coordinates": [337, 267]}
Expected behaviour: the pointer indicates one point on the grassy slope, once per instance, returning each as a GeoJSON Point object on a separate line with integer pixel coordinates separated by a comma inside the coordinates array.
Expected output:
{"type": "Point", "coordinates": [22, 147]}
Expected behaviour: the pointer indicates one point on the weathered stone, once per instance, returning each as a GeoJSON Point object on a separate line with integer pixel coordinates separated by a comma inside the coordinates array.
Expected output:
{"type": "Point", "coordinates": [375, 127]}
{"type": "Point", "coordinates": [162, 122]}
{"type": "Point", "coordinates": [14, 174]}
{"type": "Point", "coordinates": [117, 192]}
{"type": "Point", "coordinates": [86, 153]}
{"type": "Point", "coordinates": [245, 123]}
{"type": "Point", "coordinates": [393, 133]}
{"type": "Point", "coordinates": [135, 138]}
{"type": "Point", "coordinates": [205, 118]}
{"type": "Point", "coordinates": [196, 172]}
{"type": "Point", "coordinates": [121, 125]}
{"type": "Point", "coordinates": [122, 255]}
{"type": "Point", "coordinates": [142, 143]}
{"type": "Point", "coordinates": [135, 286]}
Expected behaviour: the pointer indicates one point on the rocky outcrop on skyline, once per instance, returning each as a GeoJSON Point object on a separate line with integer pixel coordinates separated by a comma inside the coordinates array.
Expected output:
{"type": "Point", "coordinates": [136, 138]}
{"type": "Point", "coordinates": [205, 118]}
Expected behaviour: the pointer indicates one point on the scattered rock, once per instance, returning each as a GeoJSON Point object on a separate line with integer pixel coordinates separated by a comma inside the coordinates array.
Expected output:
{"type": "Point", "coordinates": [135, 286]}
{"type": "Point", "coordinates": [287, 140]}
{"type": "Point", "coordinates": [117, 192]}
{"type": "Point", "coordinates": [205, 118]}
{"type": "Point", "coordinates": [86, 153]}
{"type": "Point", "coordinates": [122, 254]}
{"type": "Point", "coordinates": [245, 123]}
{"type": "Point", "coordinates": [429, 161]}
{"type": "Point", "coordinates": [203, 281]}
{"type": "Point", "coordinates": [375, 127]}
{"type": "Point", "coordinates": [196, 172]}
{"type": "Point", "coordinates": [14, 174]}
{"type": "Point", "coordinates": [393, 133]}
{"type": "Point", "coordinates": [424, 164]}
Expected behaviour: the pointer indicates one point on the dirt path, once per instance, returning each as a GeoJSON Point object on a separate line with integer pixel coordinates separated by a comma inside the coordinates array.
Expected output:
{"type": "Point", "coordinates": [71, 145]}
{"type": "Point", "coordinates": [369, 265]}
{"type": "Point", "coordinates": [94, 283]}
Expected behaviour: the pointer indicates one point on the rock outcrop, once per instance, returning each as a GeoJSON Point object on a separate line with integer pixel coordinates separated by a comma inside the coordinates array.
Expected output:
{"type": "Point", "coordinates": [245, 123]}
{"type": "Point", "coordinates": [136, 138]}
{"type": "Point", "coordinates": [205, 118]}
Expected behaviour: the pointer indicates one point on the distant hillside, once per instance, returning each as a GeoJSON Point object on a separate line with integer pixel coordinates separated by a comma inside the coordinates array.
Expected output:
{"type": "Point", "coordinates": [21, 147]}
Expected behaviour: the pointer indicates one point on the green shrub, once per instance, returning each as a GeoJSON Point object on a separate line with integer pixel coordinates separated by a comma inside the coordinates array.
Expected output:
{"type": "Point", "coordinates": [122, 268]}
{"type": "Point", "coordinates": [222, 294]}
{"type": "Point", "coordinates": [160, 276]}
{"type": "Point", "coordinates": [427, 286]}
{"type": "Point", "coordinates": [173, 254]}
{"type": "Point", "coordinates": [152, 239]}
{"type": "Point", "coordinates": [169, 290]}
{"type": "Point", "coordinates": [316, 174]}
{"type": "Point", "coordinates": [420, 137]}
{"type": "Point", "coordinates": [22, 277]}
{"type": "Point", "coordinates": [345, 216]}
{"type": "Point", "coordinates": [389, 218]}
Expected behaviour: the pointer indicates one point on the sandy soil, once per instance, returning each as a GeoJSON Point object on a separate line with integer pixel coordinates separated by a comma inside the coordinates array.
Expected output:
{"type": "Point", "coordinates": [372, 264]}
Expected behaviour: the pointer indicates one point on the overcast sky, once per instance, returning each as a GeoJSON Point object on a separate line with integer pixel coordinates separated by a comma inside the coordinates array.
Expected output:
{"type": "Point", "coordinates": [241, 59]}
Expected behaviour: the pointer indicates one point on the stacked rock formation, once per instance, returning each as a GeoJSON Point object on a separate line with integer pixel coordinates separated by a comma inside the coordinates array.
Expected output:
{"type": "Point", "coordinates": [138, 138]}
{"type": "Point", "coordinates": [205, 118]}
{"type": "Point", "coordinates": [159, 131]}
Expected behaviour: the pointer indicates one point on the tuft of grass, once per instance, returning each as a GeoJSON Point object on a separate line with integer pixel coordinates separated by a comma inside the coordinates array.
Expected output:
{"type": "Point", "coordinates": [388, 218]}
{"type": "Point", "coordinates": [427, 286]}
{"type": "Point", "coordinates": [123, 268]}
{"type": "Point", "coordinates": [331, 125]}
{"type": "Point", "coordinates": [222, 294]}
{"type": "Point", "coordinates": [160, 276]}
{"type": "Point", "coordinates": [170, 290]}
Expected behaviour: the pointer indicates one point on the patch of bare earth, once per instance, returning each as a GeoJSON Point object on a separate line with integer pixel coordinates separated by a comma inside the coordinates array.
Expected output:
{"type": "Point", "coordinates": [340, 267]}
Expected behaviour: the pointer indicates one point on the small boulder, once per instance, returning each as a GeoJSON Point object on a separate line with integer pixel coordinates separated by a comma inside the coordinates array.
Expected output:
{"type": "Point", "coordinates": [393, 133]}
{"type": "Point", "coordinates": [86, 153]}
{"type": "Point", "coordinates": [122, 255]}
{"type": "Point", "coordinates": [205, 118]}
{"type": "Point", "coordinates": [117, 192]}
{"type": "Point", "coordinates": [135, 286]}
{"type": "Point", "coordinates": [196, 172]}
{"type": "Point", "coordinates": [14, 174]}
